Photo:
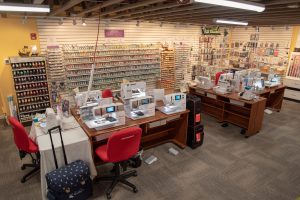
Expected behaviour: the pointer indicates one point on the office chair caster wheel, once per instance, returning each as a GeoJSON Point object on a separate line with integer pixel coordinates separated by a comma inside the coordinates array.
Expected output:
{"type": "Point", "coordinates": [243, 131]}
{"type": "Point", "coordinates": [224, 125]}
{"type": "Point", "coordinates": [23, 167]}
{"type": "Point", "coordinates": [108, 196]}
{"type": "Point", "coordinates": [135, 190]}
{"type": "Point", "coordinates": [23, 180]}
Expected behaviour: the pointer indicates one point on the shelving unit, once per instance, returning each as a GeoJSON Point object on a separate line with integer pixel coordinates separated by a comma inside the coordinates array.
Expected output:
{"type": "Point", "coordinates": [56, 74]}
{"type": "Point", "coordinates": [30, 80]}
{"type": "Point", "coordinates": [182, 64]}
{"type": "Point", "coordinates": [167, 68]}
{"type": "Point", "coordinates": [113, 63]}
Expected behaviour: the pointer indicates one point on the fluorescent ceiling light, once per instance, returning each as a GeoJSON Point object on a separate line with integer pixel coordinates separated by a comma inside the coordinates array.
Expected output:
{"type": "Point", "coordinates": [225, 21]}
{"type": "Point", "coordinates": [20, 7]}
{"type": "Point", "coordinates": [246, 5]}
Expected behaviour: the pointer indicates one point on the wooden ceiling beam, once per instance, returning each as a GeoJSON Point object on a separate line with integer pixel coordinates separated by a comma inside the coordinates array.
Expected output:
{"type": "Point", "coordinates": [99, 6]}
{"type": "Point", "coordinates": [232, 14]}
{"type": "Point", "coordinates": [215, 11]}
{"type": "Point", "coordinates": [170, 11]}
{"type": "Point", "coordinates": [65, 7]}
{"type": "Point", "coordinates": [154, 8]}
{"type": "Point", "coordinates": [278, 2]}
{"type": "Point", "coordinates": [130, 6]}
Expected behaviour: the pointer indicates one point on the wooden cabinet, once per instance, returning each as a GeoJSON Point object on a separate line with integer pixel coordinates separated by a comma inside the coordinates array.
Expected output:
{"type": "Point", "coordinates": [230, 108]}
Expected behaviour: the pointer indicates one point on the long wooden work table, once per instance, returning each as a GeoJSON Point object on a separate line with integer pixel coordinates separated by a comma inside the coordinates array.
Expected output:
{"type": "Point", "coordinates": [157, 130]}
{"type": "Point", "coordinates": [232, 109]}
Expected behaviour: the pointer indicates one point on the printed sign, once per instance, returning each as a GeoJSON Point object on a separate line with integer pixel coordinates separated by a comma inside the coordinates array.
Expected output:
{"type": "Point", "coordinates": [113, 33]}
{"type": "Point", "coordinates": [215, 30]}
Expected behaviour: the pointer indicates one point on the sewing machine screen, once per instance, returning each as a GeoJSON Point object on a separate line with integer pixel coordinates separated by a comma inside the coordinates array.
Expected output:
{"type": "Point", "coordinates": [177, 97]}
{"type": "Point", "coordinates": [110, 109]}
{"type": "Point", "coordinates": [145, 101]}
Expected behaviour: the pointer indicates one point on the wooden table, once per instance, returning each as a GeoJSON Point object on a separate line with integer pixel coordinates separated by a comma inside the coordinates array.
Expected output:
{"type": "Point", "coordinates": [274, 96]}
{"type": "Point", "coordinates": [232, 109]}
{"type": "Point", "coordinates": [173, 129]}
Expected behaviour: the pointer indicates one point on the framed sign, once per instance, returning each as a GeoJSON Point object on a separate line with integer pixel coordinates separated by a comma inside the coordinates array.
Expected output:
{"type": "Point", "coordinates": [33, 36]}
{"type": "Point", "coordinates": [113, 33]}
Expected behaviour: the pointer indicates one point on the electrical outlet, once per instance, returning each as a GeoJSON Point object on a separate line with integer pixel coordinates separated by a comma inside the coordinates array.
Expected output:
{"type": "Point", "coordinates": [6, 61]}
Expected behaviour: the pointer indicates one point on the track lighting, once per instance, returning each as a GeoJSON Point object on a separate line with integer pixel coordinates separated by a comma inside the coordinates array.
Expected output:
{"type": "Point", "coordinates": [257, 29]}
{"type": "Point", "coordinates": [107, 23]}
{"type": "Point", "coordinates": [24, 20]}
{"type": "Point", "coordinates": [83, 22]}
{"type": "Point", "coordinates": [287, 28]}
{"type": "Point", "coordinates": [137, 23]}
{"type": "Point", "coordinates": [61, 21]}
{"type": "Point", "coordinates": [161, 24]}
{"type": "Point", "coordinates": [273, 28]}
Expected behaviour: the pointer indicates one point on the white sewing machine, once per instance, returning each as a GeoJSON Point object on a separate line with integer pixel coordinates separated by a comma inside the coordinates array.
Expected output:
{"type": "Point", "coordinates": [173, 103]}
{"type": "Point", "coordinates": [273, 80]}
{"type": "Point", "coordinates": [204, 82]}
{"type": "Point", "coordinates": [106, 116]}
{"type": "Point", "coordinates": [140, 107]}
{"type": "Point", "coordinates": [94, 97]}
{"type": "Point", "coordinates": [133, 90]}
{"type": "Point", "coordinates": [224, 83]}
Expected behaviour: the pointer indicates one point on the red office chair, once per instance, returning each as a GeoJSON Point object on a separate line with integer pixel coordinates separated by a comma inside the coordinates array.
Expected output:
{"type": "Point", "coordinates": [121, 146]}
{"type": "Point", "coordinates": [25, 146]}
{"type": "Point", "coordinates": [107, 93]}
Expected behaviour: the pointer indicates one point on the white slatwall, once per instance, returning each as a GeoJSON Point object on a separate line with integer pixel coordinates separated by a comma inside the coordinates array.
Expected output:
{"type": "Point", "coordinates": [49, 30]}
{"type": "Point", "coordinates": [266, 34]}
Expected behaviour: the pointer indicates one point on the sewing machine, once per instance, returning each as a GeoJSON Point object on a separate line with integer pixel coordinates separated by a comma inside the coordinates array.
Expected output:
{"type": "Point", "coordinates": [224, 83]}
{"type": "Point", "coordinates": [94, 97]}
{"type": "Point", "coordinates": [204, 82]}
{"type": "Point", "coordinates": [140, 107]}
{"type": "Point", "coordinates": [273, 80]}
{"type": "Point", "coordinates": [173, 103]}
{"type": "Point", "coordinates": [105, 116]}
{"type": "Point", "coordinates": [133, 90]}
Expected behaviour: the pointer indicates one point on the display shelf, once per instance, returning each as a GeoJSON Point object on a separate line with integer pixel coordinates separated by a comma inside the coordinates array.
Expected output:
{"type": "Point", "coordinates": [168, 68]}
{"type": "Point", "coordinates": [30, 87]}
{"type": "Point", "coordinates": [113, 63]}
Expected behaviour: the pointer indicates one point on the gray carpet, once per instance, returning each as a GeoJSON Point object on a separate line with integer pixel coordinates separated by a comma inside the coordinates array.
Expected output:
{"type": "Point", "coordinates": [228, 166]}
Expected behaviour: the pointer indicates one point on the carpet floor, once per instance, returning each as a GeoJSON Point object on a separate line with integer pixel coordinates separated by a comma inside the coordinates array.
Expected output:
{"type": "Point", "coordinates": [227, 166]}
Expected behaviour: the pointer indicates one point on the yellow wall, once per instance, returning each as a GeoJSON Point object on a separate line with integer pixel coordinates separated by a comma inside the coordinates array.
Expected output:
{"type": "Point", "coordinates": [13, 36]}
{"type": "Point", "coordinates": [296, 30]}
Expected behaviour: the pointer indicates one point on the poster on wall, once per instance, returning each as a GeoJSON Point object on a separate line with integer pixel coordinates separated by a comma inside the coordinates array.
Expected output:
{"type": "Point", "coordinates": [294, 65]}
{"type": "Point", "coordinates": [114, 33]}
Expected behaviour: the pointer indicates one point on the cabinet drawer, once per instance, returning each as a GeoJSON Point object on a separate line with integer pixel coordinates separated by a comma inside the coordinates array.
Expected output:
{"type": "Point", "coordinates": [291, 83]}
{"type": "Point", "coordinates": [292, 94]}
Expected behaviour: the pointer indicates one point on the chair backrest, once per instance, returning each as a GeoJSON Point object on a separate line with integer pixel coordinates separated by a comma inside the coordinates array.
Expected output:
{"type": "Point", "coordinates": [107, 93]}
{"type": "Point", "coordinates": [124, 144]}
{"type": "Point", "coordinates": [20, 135]}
